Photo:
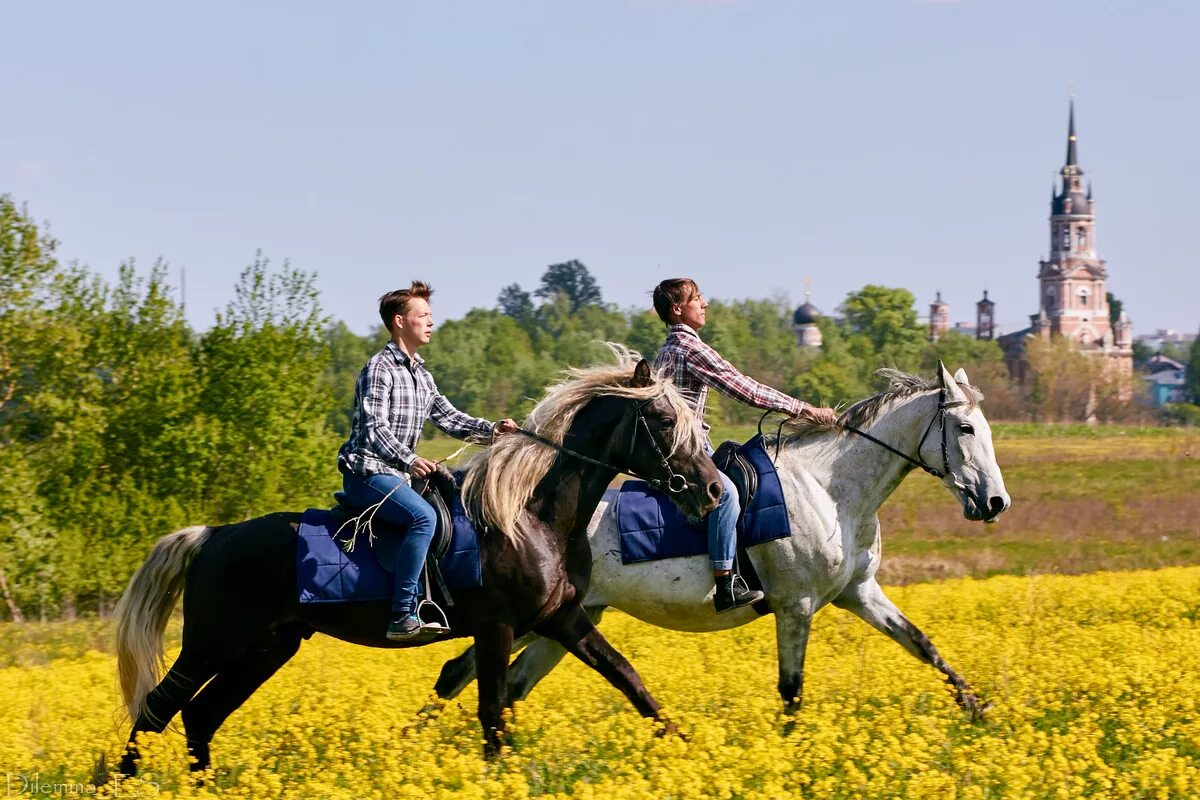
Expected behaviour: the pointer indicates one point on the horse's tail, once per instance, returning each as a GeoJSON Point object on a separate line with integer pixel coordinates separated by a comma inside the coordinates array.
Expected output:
{"type": "Point", "coordinates": [143, 611]}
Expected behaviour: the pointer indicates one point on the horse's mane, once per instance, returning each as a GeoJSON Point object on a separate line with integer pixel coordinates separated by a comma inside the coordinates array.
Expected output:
{"type": "Point", "coordinates": [501, 480]}
{"type": "Point", "coordinates": [901, 386]}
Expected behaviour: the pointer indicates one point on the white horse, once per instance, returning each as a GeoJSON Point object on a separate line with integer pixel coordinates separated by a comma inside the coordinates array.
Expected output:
{"type": "Point", "coordinates": [834, 483]}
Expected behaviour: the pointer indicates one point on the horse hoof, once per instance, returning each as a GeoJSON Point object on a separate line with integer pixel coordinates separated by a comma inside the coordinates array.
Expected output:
{"type": "Point", "coordinates": [667, 728]}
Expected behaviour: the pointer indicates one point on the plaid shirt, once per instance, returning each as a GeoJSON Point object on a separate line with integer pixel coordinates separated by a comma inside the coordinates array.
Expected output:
{"type": "Point", "coordinates": [393, 397]}
{"type": "Point", "coordinates": [694, 366]}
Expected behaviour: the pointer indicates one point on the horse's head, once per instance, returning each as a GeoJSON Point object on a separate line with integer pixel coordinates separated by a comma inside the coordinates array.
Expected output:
{"type": "Point", "coordinates": [666, 447]}
{"type": "Point", "coordinates": [965, 443]}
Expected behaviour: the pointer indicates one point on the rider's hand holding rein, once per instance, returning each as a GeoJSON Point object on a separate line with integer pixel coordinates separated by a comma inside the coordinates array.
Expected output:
{"type": "Point", "coordinates": [819, 415]}
{"type": "Point", "coordinates": [504, 426]}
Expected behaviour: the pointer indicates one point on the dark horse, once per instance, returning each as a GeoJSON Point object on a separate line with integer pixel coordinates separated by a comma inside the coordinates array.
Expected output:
{"type": "Point", "coordinates": [532, 502]}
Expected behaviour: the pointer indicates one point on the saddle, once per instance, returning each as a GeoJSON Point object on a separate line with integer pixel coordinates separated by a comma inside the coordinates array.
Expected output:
{"type": "Point", "coordinates": [440, 490]}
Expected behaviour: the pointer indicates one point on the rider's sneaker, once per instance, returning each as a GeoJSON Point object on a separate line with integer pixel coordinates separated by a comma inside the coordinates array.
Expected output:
{"type": "Point", "coordinates": [404, 627]}
{"type": "Point", "coordinates": [732, 593]}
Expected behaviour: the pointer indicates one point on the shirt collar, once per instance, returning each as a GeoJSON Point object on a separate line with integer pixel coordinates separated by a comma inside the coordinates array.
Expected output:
{"type": "Point", "coordinates": [403, 358]}
{"type": "Point", "coordinates": [685, 329]}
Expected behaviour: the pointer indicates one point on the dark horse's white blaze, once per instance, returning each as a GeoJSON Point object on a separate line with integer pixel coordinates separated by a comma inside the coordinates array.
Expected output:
{"type": "Point", "coordinates": [834, 484]}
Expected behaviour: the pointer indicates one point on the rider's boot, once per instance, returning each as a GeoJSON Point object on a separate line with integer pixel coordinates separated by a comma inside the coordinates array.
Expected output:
{"type": "Point", "coordinates": [732, 593]}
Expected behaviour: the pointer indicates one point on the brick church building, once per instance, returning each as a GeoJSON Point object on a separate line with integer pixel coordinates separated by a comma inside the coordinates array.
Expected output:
{"type": "Point", "coordinates": [1072, 291]}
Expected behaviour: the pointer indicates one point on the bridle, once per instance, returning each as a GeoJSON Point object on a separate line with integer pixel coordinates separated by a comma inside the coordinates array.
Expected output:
{"type": "Point", "coordinates": [939, 418]}
{"type": "Point", "coordinates": [674, 483]}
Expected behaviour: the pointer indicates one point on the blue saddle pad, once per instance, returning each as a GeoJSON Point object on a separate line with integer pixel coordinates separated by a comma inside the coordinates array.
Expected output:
{"type": "Point", "coordinates": [652, 528]}
{"type": "Point", "coordinates": [325, 573]}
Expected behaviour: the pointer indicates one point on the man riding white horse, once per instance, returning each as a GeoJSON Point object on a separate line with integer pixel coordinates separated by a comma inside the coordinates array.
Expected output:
{"type": "Point", "coordinates": [694, 366]}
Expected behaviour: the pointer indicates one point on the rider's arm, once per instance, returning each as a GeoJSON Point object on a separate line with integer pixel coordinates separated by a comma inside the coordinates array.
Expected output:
{"type": "Point", "coordinates": [455, 422]}
{"type": "Point", "coordinates": [726, 379]}
{"type": "Point", "coordinates": [375, 397]}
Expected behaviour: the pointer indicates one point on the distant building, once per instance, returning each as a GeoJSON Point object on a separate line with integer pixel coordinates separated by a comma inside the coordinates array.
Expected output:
{"type": "Point", "coordinates": [985, 318]}
{"type": "Point", "coordinates": [1164, 336]}
{"type": "Point", "coordinates": [1072, 295]}
{"type": "Point", "coordinates": [1166, 380]}
{"type": "Point", "coordinates": [804, 323]}
{"type": "Point", "coordinates": [939, 318]}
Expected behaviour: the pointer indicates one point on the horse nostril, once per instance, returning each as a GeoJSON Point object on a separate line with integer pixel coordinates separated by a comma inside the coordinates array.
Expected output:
{"type": "Point", "coordinates": [714, 490]}
{"type": "Point", "coordinates": [995, 504]}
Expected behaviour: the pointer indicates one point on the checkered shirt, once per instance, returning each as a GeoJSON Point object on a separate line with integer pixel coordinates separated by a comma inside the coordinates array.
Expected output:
{"type": "Point", "coordinates": [694, 366]}
{"type": "Point", "coordinates": [393, 397]}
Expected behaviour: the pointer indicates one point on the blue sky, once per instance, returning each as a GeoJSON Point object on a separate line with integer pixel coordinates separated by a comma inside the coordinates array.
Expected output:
{"type": "Point", "coordinates": [747, 144]}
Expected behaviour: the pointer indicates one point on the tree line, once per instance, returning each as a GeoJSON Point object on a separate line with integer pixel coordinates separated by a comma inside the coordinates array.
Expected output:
{"type": "Point", "coordinates": [120, 422]}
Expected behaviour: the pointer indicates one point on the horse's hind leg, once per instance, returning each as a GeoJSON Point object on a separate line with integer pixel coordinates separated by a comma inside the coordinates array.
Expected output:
{"type": "Point", "coordinates": [232, 686]}
{"type": "Point", "coordinates": [177, 687]}
{"type": "Point", "coordinates": [574, 630]}
{"type": "Point", "coordinates": [458, 672]}
{"type": "Point", "coordinates": [867, 600]}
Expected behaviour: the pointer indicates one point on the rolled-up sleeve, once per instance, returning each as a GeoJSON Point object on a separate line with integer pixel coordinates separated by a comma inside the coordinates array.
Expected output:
{"type": "Point", "coordinates": [455, 422]}
{"type": "Point", "coordinates": [726, 379]}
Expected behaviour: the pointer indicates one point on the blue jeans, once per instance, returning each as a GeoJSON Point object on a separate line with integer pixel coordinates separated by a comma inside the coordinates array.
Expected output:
{"type": "Point", "coordinates": [722, 525]}
{"type": "Point", "coordinates": [404, 507]}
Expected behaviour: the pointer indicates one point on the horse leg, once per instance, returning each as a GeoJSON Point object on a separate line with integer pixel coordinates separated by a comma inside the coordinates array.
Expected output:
{"type": "Point", "coordinates": [458, 672]}
{"type": "Point", "coordinates": [572, 628]}
{"type": "Point", "coordinates": [493, 646]}
{"type": "Point", "coordinates": [792, 625]}
{"type": "Point", "coordinates": [537, 660]}
{"type": "Point", "coordinates": [182, 681]}
{"type": "Point", "coordinates": [867, 600]}
{"type": "Point", "coordinates": [232, 686]}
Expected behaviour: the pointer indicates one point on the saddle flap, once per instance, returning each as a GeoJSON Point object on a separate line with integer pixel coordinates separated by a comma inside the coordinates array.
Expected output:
{"type": "Point", "coordinates": [388, 537]}
{"type": "Point", "coordinates": [731, 461]}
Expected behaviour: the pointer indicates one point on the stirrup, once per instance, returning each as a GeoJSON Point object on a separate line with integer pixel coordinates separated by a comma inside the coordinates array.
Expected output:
{"type": "Point", "coordinates": [437, 625]}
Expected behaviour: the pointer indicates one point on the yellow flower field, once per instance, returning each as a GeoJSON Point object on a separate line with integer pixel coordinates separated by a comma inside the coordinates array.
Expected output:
{"type": "Point", "coordinates": [1094, 681]}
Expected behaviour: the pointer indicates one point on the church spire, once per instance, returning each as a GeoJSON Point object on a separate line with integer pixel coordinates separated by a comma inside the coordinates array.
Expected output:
{"type": "Point", "coordinates": [1071, 158]}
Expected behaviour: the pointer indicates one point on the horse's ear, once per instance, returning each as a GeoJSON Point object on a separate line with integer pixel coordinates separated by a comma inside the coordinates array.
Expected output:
{"type": "Point", "coordinates": [641, 375]}
{"type": "Point", "coordinates": [944, 379]}
{"type": "Point", "coordinates": [953, 391]}
{"type": "Point", "coordinates": [961, 376]}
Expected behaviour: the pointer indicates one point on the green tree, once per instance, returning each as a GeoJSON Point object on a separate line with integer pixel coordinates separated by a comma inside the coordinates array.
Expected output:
{"type": "Point", "coordinates": [883, 325]}
{"type": "Point", "coordinates": [572, 280]}
{"type": "Point", "coordinates": [1114, 307]}
{"type": "Point", "coordinates": [516, 303]}
{"type": "Point", "coordinates": [1192, 376]}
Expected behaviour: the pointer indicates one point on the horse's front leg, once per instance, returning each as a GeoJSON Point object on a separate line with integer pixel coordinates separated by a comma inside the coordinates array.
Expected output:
{"type": "Point", "coordinates": [792, 624]}
{"type": "Point", "coordinates": [493, 645]}
{"type": "Point", "coordinates": [867, 600]}
{"type": "Point", "coordinates": [574, 630]}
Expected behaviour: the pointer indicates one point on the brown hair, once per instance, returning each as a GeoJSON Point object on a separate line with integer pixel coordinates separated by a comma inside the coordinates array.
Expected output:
{"type": "Point", "coordinates": [396, 302]}
{"type": "Point", "coordinates": [672, 292]}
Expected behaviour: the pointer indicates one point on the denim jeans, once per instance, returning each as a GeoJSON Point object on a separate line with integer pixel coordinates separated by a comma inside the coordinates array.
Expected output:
{"type": "Point", "coordinates": [403, 507]}
{"type": "Point", "coordinates": [722, 525]}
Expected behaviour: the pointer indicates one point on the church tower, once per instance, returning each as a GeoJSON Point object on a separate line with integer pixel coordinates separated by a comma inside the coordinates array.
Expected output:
{"type": "Point", "coordinates": [1073, 294]}
{"type": "Point", "coordinates": [985, 316]}
{"type": "Point", "coordinates": [939, 318]}
{"type": "Point", "coordinates": [1073, 298]}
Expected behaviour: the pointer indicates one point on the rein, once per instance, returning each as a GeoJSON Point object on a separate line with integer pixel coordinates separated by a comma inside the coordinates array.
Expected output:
{"type": "Point", "coordinates": [939, 417]}
{"type": "Point", "coordinates": [675, 483]}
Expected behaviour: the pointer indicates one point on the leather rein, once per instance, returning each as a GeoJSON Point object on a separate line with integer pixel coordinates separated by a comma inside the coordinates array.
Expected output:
{"type": "Point", "coordinates": [939, 418]}
{"type": "Point", "coordinates": [674, 483]}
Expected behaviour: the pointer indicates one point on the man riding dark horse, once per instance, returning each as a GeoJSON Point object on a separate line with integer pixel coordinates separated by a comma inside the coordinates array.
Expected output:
{"type": "Point", "coordinates": [393, 397]}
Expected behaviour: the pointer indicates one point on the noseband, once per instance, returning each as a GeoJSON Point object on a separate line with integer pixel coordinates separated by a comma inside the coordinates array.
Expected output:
{"type": "Point", "coordinates": [673, 484]}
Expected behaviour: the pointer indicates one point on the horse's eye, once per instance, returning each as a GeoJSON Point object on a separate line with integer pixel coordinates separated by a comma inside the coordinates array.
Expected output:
{"type": "Point", "coordinates": [668, 423]}
{"type": "Point", "coordinates": [967, 430]}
